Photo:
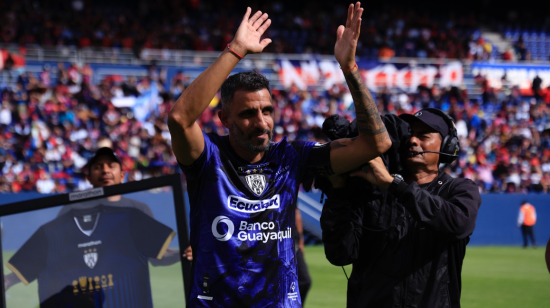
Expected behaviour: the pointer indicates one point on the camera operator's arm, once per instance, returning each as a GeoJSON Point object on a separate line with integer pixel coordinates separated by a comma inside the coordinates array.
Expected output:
{"type": "Point", "coordinates": [341, 223]}
{"type": "Point", "coordinates": [455, 215]}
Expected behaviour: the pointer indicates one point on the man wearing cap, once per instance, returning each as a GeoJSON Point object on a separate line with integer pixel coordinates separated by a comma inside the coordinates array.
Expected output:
{"type": "Point", "coordinates": [105, 169]}
{"type": "Point", "coordinates": [404, 230]}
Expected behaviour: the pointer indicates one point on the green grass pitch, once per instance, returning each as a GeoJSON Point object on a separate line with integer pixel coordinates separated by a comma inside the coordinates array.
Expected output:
{"type": "Point", "coordinates": [492, 277]}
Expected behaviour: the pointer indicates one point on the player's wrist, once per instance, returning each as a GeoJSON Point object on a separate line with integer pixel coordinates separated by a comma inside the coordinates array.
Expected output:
{"type": "Point", "coordinates": [238, 49]}
{"type": "Point", "coordinates": [348, 67]}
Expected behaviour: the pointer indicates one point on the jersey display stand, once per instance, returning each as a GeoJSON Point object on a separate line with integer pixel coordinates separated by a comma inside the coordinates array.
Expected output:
{"type": "Point", "coordinates": [113, 265]}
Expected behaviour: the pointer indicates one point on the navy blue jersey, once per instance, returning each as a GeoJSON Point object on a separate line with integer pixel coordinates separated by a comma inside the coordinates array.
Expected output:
{"type": "Point", "coordinates": [96, 256]}
{"type": "Point", "coordinates": [241, 223]}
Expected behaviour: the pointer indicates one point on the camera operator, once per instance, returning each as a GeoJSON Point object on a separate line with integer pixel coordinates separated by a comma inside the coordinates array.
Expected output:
{"type": "Point", "coordinates": [405, 233]}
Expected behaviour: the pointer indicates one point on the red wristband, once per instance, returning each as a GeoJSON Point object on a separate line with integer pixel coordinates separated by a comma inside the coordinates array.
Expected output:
{"type": "Point", "coordinates": [236, 54]}
{"type": "Point", "coordinates": [351, 69]}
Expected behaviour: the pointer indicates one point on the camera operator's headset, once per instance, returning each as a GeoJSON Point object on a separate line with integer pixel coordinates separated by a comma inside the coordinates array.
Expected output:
{"type": "Point", "coordinates": [450, 145]}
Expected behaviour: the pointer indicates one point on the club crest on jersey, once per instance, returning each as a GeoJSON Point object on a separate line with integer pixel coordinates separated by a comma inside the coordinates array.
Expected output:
{"type": "Point", "coordinates": [90, 257]}
{"type": "Point", "coordinates": [256, 183]}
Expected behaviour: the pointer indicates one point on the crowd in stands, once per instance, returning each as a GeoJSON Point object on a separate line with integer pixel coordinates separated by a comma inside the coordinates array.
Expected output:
{"type": "Point", "coordinates": [48, 130]}
{"type": "Point", "coordinates": [51, 123]}
{"type": "Point", "coordinates": [203, 26]}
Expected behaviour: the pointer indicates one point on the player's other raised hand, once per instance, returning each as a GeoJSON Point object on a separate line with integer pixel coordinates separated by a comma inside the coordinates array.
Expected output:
{"type": "Point", "coordinates": [248, 37]}
{"type": "Point", "coordinates": [347, 36]}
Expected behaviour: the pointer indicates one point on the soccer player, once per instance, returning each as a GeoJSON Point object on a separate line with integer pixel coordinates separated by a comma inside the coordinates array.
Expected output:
{"type": "Point", "coordinates": [243, 187]}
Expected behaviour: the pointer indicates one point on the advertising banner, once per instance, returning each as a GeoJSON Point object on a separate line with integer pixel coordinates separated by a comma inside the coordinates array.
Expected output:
{"type": "Point", "coordinates": [514, 74]}
{"type": "Point", "coordinates": [377, 75]}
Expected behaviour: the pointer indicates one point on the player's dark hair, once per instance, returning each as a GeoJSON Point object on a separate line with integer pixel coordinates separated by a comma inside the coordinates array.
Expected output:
{"type": "Point", "coordinates": [249, 81]}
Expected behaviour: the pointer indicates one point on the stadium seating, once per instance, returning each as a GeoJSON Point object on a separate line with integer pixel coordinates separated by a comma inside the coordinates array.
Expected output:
{"type": "Point", "coordinates": [53, 118]}
{"type": "Point", "coordinates": [48, 131]}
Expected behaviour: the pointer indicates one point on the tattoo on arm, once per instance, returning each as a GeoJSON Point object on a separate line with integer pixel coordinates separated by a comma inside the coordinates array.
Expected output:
{"type": "Point", "coordinates": [369, 122]}
{"type": "Point", "coordinates": [336, 144]}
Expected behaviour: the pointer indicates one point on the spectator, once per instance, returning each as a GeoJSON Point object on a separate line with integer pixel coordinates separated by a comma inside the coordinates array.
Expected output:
{"type": "Point", "coordinates": [536, 87]}
{"type": "Point", "coordinates": [200, 27]}
{"type": "Point", "coordinates": [385, 52]}
{"type": "Point", "coordinates": [45, 185]}
{"type": "Point", "coordinates": [50, 129]}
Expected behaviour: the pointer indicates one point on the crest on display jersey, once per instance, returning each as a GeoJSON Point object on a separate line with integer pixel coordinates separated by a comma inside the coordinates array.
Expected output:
{"type": "Point", "coordinates": [90, 257]}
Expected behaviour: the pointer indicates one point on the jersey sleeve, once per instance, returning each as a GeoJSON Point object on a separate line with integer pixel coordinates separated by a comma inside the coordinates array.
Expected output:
{"type": "Point", "coordinates": [150, 236]}
{"type": "Point", "coordinates": [314, 158]}
{"type": "Point", "coordinates": [30, 260]}
{"type": "Point", "coordinates": [144, 208]}
{"type": "Point", "coordinates": [196, 169]}
{"type": "Point", "coordinates": [140, 206]}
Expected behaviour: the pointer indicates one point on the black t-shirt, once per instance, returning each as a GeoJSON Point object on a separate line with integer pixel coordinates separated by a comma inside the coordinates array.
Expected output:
{"type": "Point", "coordinates": [99, 254]}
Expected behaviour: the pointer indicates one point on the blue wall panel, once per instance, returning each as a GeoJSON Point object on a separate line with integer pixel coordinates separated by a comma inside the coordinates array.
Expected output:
{"type": "Point", "coordinates": [497, 219]}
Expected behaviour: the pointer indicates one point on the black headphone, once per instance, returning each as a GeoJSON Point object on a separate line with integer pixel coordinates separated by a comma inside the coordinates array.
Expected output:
{"type": "Point", "coordinates": [450, 144]}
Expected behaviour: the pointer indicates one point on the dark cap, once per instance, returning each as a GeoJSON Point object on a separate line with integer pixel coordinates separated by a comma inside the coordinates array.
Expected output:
{"type": "Point", "coordinates": [103, 152]}
{"type": "Point", "coordinates": [432, 119]}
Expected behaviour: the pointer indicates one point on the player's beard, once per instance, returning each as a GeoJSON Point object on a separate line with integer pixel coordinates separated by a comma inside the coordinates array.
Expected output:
{"type": "Point", "coordinates": [246, 141]}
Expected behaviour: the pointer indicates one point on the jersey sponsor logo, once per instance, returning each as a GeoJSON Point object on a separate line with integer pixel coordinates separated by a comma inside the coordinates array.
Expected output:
{"type": "Point", "coordinates": [79, 195]}
{"type": "Point", "coordinates": [230, 228]}
{"type": "Point", "coordinates": [253, 231]}
{"type": "Point", "coordinates": [88, 244]}
{"type": "Point", "coordinates": [252, 206]}
{"type": "Point", "coordinates": [265, 233]}
{"type": "Point", "coordinates": [256, 183]}
{"type": "Point", "coordinates": [90, 257]}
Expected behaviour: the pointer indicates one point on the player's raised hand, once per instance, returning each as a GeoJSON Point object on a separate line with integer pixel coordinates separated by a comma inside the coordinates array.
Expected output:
{"type": "Point", "coordinates": [347, 36]}
{"type": "Point", "coordinates": [247, 39]}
